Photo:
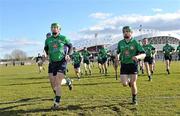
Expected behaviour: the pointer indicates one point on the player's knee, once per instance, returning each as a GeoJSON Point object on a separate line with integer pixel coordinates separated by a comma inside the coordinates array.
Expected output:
{"type": "Point", "coordinates": [133, 84]}
{"type": "Point", "coordinates": [125, 84]}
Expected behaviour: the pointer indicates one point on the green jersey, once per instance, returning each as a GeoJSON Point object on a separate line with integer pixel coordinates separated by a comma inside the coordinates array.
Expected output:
{"type": "Point", "coordinates": [168, 49]}
{"type": "Point", "coordinates": [178, 49]}
{"type": "Point", "coordinates": [99, 58]}
{"type": "Point", "coordinates": [149, 50]}
{"type": "Point", "coordinates": [127, 50]}
{"type": "Point", "coordinates": [56, 47]}
{"type": "Point", "coordinates": [103, 53]}
{"type": "Point", "coordinates": [85, 55]}
{"type": "Point", "coordinates": [76, 57]}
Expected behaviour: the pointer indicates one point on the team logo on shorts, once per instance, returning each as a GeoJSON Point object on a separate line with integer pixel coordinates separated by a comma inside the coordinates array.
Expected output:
{"type": "Point", "coordinates": [132, 47]}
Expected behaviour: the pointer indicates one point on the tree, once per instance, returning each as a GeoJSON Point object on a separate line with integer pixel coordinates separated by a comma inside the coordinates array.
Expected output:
{"type": "Point", "coordinates": [18, 54]}
{"type": "Point", "coordinates": [7, 57]}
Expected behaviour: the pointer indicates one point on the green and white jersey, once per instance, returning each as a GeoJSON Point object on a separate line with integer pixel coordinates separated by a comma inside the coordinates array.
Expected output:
{"type": "Point", "coordinates": [103, 53]}
{"type": "Point", "coordinates": [99, 58]}
{"type": "Point", "coordinates": [178, 49]}
{"type": "Point", "coordinates": [127, 50]}
{"type": "Point", "coordinates": [76, 57]}
{"type": "Point", "coordinates": [149, 50]}
{"type": "Point", "coordinates": [168, 49]}
{"type": "Point", "coordinates": [56, 47]}
{"type": "Point", "coordinates": [85, 54]}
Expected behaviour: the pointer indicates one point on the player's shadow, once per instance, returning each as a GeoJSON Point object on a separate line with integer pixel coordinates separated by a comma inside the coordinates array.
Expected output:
{"type": "Point", "coordinates": [71, 107]}
{"type": "Point", "coordinates": [6, 111]}
{"type": "Point", "coordinates": [25, 83]}
{"type": "Point", "coordinates": [117, 107]}
{"type": "Point", "coordinates": [22, 112]}
{"type": "Point", "coordinates": [24, 100]}
{"type": "Point", "coordinates": [122, 105]}
{"type": "Point", "coordinates": [14, 106]}
{"type": "Point", "coordinates": [33, 78]}
{"type": "Point", "coordinates": [9, 110]}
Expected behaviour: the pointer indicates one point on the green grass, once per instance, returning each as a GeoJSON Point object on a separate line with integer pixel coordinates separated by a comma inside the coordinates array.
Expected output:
{"type": "Point", "coordinates": [25, 92]}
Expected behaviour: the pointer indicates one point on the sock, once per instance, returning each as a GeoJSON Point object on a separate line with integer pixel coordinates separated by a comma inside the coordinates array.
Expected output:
{"type": "Point", "coordinates": [152, 72]}
{"type": "Point", "coordinates": [58, 99]}
{"type": "Point", "coordinates": [105, 70]}
{"type": "Point", "coordinates": [67, 81]}
{"type": "Point", "coordinates": [134, 97]}
{"type": "Point", "coordinates": [142, 71]}
{"type": "Point", "coordinates": [89, 71]}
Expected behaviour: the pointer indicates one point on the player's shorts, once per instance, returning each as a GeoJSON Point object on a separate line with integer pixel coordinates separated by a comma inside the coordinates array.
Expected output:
{"type": "Point", "coordinates": [179, 56]}
{"type": "Point", "coordinates": [86, 61]}
{"type": "Point", "coordinates": [168, 57]}
{"type": "Point", "coordinates": [112, 59]}
{"type": "Point", "coordinates": [57, 67]}
{"type": "Point", "coordinates": [149, 60]}
{"type": "Point", "coordinates": [104, 60]}
{"type": "Point", "coordinates": [99, 61]}
{"type": "Point", "coordinates": [127, 69]}
{"type": "Point", "coordinates": [40, 63]}
{"type": "Point", "coordinates": [91, 60]}
{"type": "Point", "coordinates": [77, 65]}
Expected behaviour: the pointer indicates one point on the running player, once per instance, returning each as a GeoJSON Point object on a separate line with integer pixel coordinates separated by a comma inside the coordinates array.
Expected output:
{"type": "Point", "coordinates": [130, 52]}
{"type": "Point", "coordinates": [178, 50]}
{"type": "Point", "coordinates": [48, 35]}
{"type": "Point", "coordinates": [99, 60]}
{"type": "Point", "coordinates": [103, 54]}
{"type": "Point", "coordinates": [141, 62]}
{"type": "Point", "coordinates": [91, 58]}
{"type": "Point", "coordinates": [86, 62]}
{"type": "Point", "coordinates": [39, 61]}
{"type": "Point", "coordinates": [114, 61]}
{"type": "Point", "coordinates": [168, 50]}
{"type": "Point", "coordinates": [66, 80]}
{"type": "Point", "coordinates": [148, 60]}
{"type": "Point", "coordinates": [154, 61]}
{"type": "Point", "coordinates": [54, 47]}
{"type": "Point", "coordinates": [76, 57]}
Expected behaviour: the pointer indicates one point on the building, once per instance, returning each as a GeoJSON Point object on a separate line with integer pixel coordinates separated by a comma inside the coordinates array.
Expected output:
{"type": "Point", "coordinates": [157, 38]}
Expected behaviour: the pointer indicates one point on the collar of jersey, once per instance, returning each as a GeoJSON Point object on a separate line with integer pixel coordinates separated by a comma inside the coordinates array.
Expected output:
{"type": "Point", "coordinates": [57, 36]}
{"type": "Point", "coordinates": [129, 41]}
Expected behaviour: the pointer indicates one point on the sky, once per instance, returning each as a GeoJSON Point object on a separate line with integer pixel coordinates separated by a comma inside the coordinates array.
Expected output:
{"type": "Point", "coordinates": [24, 23]}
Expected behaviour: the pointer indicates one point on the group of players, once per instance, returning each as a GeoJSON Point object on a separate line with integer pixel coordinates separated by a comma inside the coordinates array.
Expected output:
{"type": "Point", "coordinates": [128, 54]}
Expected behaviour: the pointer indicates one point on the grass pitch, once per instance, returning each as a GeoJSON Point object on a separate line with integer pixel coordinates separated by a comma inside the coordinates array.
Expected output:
{"type": "Point", "coordinates": [25, 92]}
